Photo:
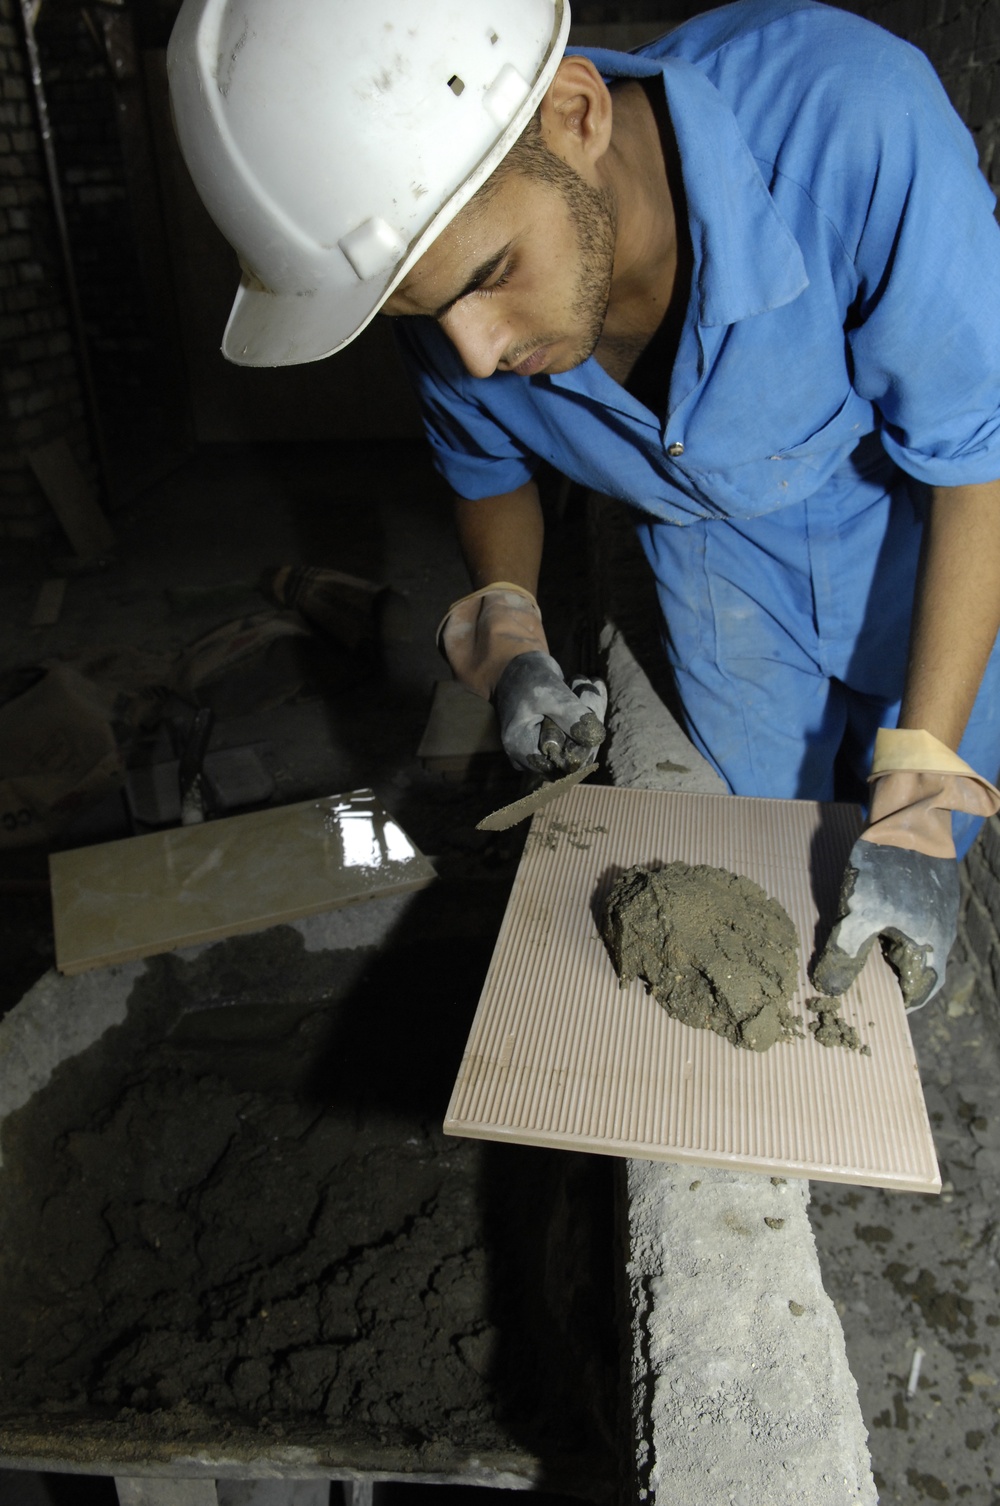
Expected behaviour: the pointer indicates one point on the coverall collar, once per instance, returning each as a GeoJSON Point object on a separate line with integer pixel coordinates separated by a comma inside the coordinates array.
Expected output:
{"type": "Point", "coordinates": [746, 260]}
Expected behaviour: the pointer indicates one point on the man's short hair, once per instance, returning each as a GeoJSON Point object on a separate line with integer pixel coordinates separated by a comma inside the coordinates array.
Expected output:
{"type": "Point", "coordinates": [530, 156]}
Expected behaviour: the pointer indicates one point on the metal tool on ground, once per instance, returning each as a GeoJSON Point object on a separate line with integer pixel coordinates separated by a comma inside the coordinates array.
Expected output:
{"type": "Point", "coordinates": [232, 779]}
{"type": "Point", "coordinates": [191, 766]}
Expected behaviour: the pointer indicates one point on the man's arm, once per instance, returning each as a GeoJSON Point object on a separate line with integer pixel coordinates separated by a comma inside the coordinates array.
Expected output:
{"type": "Point", "coordinates": [901, 880]}
{"type": "Point", "coordinates": [496, 645]}
{"type": "Point", "coordinates": [501, 537]}
{"type": "Point", "coordinates": [956, 612]}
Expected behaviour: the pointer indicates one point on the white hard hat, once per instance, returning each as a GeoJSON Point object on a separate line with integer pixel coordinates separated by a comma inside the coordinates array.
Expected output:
{"type": "Point", "coordinates": [333, 140]}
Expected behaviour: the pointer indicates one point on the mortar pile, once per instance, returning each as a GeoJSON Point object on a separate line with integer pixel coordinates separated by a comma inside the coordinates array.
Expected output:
{"type": "Point", "coordinates": [712, 948]}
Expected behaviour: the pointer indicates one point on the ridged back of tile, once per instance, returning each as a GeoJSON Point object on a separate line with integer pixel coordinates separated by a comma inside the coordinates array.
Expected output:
{"type": "Point", "coordinates": [559, 1055]}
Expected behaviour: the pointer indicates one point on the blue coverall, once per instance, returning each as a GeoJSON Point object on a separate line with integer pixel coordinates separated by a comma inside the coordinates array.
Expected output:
{"type": "Point", "coordinates": [841, 349]}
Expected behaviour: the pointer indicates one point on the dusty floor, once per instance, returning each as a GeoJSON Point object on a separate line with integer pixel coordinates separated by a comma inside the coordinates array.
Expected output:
{"type": "Point", "coordinates": [906, 1273]}
{"type": "Point", "coordinates": [911, 1274]}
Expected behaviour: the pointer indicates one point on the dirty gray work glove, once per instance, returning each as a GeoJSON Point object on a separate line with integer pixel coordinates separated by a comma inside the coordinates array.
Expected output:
{"type": "Point", "coordinates": [907, 901]}
{"type": "Point", "coordinates": [496, 645]}
{"type": "Point", "coordinates": [546, 725]}
{"type": "Point", "coordinates": [900, 886]}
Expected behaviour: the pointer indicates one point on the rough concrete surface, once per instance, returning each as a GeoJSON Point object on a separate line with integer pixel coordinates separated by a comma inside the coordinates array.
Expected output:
{"type": "Point", "coordinates": [210, 1233]}
{"type": "Point", "coordinates": [233, 1240]}
{"type": "Point", "coordinates": [741, 1388]}
{"type": "Point", "coordinates": [646, 745]}
{"type": "Point", "coordinates": [59, 1017]}
{"type": "Point", "coordinates": [56, 1019]}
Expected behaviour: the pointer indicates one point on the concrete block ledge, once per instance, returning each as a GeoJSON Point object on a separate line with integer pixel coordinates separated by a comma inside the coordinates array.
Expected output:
{"type": "Point", "coordinates": [739, 1387]}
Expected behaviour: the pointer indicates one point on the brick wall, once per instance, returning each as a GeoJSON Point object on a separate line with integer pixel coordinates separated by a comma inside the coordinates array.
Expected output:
{"type": "Point", "coordinates": [89, 64]}
{"type": "Point", "coordinates": [40, 394]}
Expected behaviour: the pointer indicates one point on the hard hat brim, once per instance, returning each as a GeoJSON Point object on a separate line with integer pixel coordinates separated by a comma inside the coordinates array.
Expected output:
{"type": "Point", "coordinates": [291, 329]}
{"type": "Point", "coordinates": [268, 328]}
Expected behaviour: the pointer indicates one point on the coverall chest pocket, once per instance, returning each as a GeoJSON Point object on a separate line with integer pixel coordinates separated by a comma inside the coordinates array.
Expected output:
{"type": "Point", "coordinates": [753, 469]}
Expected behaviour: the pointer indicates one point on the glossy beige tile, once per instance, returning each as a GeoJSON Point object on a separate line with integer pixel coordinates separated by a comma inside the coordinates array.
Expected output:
{"type": "Point", "coordinates": [558, 1055]}
{"type": "Point", "coordinates": [153, 893]}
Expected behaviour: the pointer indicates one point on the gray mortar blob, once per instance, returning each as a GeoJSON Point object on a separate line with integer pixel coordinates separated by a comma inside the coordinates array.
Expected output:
{"type": "Point", "coordinates": [712, 948]}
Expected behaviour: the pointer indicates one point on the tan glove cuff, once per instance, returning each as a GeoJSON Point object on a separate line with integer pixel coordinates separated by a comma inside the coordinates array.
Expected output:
{"type": "Point", "coordinates": [917, 783]}
{"type": "Point", "coordinates": [463, 601]}
{"type": "Point", "coordinates": [904, 748]}
{"type": "Point", "coordinates": [483, 631]}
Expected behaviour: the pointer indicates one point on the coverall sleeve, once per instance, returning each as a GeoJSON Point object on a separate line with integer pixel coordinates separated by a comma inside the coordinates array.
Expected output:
{"type": "Point", "coordinates": [470, 447]}
{"type": "Point", "coordinates": [924, 330]}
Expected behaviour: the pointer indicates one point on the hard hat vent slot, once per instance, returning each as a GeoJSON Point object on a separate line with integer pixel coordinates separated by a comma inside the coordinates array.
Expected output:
{"type": "Point", "coordinates": [494, 39]}
{"type": "Point", "coordinates": [455, 84]}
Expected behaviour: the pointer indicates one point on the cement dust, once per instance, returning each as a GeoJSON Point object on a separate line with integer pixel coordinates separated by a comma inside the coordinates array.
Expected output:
{"type": "Point", "coordinates": [714, 949]}
{"type": "Point", "coordinates": [830, 1030]}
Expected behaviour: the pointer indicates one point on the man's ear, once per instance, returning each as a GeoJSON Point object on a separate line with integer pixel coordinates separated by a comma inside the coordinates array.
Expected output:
{"type": "Point", "coordinates": [576, 114]}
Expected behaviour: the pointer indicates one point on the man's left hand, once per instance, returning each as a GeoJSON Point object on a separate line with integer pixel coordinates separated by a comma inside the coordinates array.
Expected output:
{"type": "Point", "coordinates": [900, 885]}
{"type": "Point", "coordinates": [904, 899]}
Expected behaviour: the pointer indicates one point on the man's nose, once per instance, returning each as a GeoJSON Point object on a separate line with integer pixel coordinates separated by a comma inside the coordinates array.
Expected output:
{"type": "Point", "coordinates": [479, 335]}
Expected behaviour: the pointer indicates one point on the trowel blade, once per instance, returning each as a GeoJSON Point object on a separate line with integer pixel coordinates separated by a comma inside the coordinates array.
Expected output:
{"type": "Point", "coordinates": [520, 810]}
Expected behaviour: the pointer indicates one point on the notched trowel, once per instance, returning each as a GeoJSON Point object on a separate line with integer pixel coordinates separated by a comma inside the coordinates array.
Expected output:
{"type": "Point", "coordinates": [520, 810]}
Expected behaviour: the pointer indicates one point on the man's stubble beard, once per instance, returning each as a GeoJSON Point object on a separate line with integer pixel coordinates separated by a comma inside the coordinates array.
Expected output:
{"type": "Point", "coordinates": [594, 214]}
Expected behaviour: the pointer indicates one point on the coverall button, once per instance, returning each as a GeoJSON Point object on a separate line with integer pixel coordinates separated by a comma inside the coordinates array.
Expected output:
{"type": "Point", "coordinates": [676, 448]}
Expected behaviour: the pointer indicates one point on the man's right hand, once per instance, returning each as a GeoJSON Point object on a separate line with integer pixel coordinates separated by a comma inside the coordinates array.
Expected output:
{"type": "Point", "coordinates": [546, 725]}
{"type": "Point", "coordinates": [495, 643]}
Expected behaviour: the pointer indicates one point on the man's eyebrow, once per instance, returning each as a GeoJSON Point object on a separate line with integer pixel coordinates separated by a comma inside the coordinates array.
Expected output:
{"type": "Point", "coordinates": [482, 273]}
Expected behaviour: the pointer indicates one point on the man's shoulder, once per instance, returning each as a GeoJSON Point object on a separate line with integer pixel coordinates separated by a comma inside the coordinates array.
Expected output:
{"type": "Point", "coordinates": [812, 87]}
{"type": "Point", "coordinates": [811, 33]}
{"type": "Point", "coordinates": [783, 65]}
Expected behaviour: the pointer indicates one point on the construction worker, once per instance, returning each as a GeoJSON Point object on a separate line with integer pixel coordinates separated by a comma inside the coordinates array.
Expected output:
{"type": "Point", "coordinates": [747, 280]}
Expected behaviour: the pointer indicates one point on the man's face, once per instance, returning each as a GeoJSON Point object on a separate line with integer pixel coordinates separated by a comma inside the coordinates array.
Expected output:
{"type": "Point", "coordinates": [521, 278]}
